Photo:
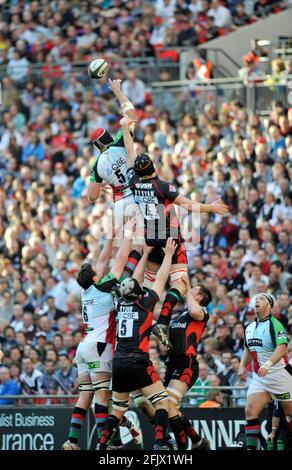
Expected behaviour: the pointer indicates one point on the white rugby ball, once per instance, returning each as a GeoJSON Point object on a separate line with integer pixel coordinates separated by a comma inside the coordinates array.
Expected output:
{"type": "Point", "coordinates": [98, 68]}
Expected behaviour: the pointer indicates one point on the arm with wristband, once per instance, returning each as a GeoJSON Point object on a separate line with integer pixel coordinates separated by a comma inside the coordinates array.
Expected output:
{"type": "Point", "coordinates": [126, 105]}
{"type": "Point", "coordinates": [277, 355]}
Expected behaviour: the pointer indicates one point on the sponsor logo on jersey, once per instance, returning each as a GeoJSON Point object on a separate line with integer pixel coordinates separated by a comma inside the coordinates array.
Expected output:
{"type": "Point", "coordinates": [118, 164]}
{"type": "Point", "coordinates": [144, 186]}
{"type": "Point", "coordinates": [282, 396]}
{"type": "Point", "coordinates": [178, 325]}
{"type": "Point", "coordinates": [255, 342]}
{"type": "Point", "coordinates": [93, 365]}
{"type": "Point", "coordinates": [108, 171]}
{"type": "Point", "coordinates": [282, 334]}
{"type": "Point", "coordinates": [172, 188]}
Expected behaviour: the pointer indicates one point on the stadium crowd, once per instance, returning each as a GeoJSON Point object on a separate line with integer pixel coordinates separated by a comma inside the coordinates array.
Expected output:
{"type": "Point", "coordinates": [48, 228]}
{"type": "Point", "coordinates": [59, 32]}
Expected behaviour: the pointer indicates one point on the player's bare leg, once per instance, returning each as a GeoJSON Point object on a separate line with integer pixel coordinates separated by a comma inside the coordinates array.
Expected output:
{"type": "Point", "coordinates": [254, 405]}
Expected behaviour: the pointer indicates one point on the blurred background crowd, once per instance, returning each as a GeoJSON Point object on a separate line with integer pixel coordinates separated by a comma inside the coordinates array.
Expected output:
{"type": "Point", "coordinates": [49, 31]}
{"type": "Point", "coordinates": [48, 228]}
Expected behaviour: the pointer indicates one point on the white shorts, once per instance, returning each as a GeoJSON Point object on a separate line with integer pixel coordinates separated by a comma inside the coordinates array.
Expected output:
{"type": "Point", "coordinates": [89, 361]}
{"type": "Point", "coordinates": [277, 383]}
{"type": "Point", "coordinates": [123, 210]}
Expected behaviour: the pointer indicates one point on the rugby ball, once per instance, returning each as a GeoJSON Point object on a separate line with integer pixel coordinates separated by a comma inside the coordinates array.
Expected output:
{"type": "Point", "coordinates": [98, 68]}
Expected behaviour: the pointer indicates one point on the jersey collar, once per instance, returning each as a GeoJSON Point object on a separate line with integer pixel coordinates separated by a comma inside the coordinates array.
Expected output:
{"type": "Point", "coordinates": [264, 319]}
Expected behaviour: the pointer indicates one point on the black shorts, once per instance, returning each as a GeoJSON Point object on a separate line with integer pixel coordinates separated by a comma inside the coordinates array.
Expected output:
{"type": "Point", "coordinates": [185, 369]}
{"type": "Point", "coordinates": [179, 257]}
{"type": "Point", "coordinates": [132, 373]}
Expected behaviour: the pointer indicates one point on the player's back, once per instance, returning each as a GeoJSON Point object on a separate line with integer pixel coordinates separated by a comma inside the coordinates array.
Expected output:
{"type": "Point", "coordinates": [135, 325]}
{"type": "Point", "coordinates": [155, 198]}
{"type": "Point", "coordinates": [185, 333]}
{"type": "Point", "coordinates": [98, 314]}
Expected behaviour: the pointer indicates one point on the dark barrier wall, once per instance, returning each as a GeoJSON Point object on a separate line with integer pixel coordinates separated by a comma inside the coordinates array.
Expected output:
{"type": "Point", "coordinates": [46, 428]}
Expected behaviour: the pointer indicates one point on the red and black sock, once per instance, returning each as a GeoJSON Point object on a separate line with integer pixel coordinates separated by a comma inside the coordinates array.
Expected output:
{"type": "Point", "coordinates": [111, 425]}
{"type": "Point", "coordinates": [172, 297]}
{"type": "Point", "coordinates": [160, 426]}
{"type": "Point", "coordinates": [178, 431]}
{"type": "Point", "coordinates": [189, 430]}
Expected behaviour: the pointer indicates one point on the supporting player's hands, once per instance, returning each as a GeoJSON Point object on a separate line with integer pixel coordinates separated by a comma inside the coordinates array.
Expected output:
{"type": "Point", "coordinates": [147, 249]}
{"type": "Point", "coordinates": [1, 355]}
{"type": "Point", "coordinates": [130, 227]}
{"type": "Point", "coordinates": [125, 122]}
{"type": "Point", "coordinates": [115, 86]}
{"type": "Point", "coordinates": [170, 247]}
{"type": "Point", "coordinates": [262, 372]}
{"type": "Point", "coordinates": [186, 280]}
{"type": "Point", "coordinates": [218, 207]}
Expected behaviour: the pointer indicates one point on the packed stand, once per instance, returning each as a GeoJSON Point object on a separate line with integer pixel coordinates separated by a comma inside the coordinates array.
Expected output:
{"type": "Point", "coordinates": [58, 33]}
{"type": "Point", "coordinates": [48, 228]}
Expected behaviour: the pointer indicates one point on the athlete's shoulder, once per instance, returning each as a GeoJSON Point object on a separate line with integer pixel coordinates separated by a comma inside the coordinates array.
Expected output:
{"type": "Point", "coordinates": [250, 325]}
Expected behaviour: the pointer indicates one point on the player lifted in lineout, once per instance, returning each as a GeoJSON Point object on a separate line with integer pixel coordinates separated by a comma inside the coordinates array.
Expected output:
{"type": "Point", "coordinates": [111, 167]}
{"type": "Point", "coordinates": [156, 199]}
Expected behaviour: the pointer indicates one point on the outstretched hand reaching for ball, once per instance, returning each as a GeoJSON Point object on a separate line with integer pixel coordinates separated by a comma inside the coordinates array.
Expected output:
{"type": "Point", "coordinates": [115, 86]}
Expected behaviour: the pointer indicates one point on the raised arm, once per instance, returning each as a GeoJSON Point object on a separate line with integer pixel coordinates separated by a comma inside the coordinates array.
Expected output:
{"type": "Point", "coordinates": [194, 308]}
{"type": "Point", "coordinates": [104, 258]}
{"type": "Point", "coordinates": [128, 140]}
{"type": "Point", "coordinates": [140, 268]}
{"type": "Point", "coordinates": [163, 272]}
{"type": "Point", "coordinates": [216, 207]}
{"type": "Point", "coordinates": [126, 105]}
{"type": "Point", "coordinates": [124, 250]}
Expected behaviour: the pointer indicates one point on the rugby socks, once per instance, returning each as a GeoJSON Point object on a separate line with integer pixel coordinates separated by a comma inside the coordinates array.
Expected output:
{"type": "Point", "coordinates": [172, 297]}
{"type": "Point", "coordinates": [178, 431]}
{"type": "Point", "coordinates": [253, 434]}
{"type": "Point", "coordinates": [110, 427]}
{"type": "Point", "coordinates": [190, 431]}
{"type": "Point", "coordinates": [131, 264]}
{"type": "Point", "coordinates": [160, 427]}
{"type": "Point", "coordinates": [77, 419]}
{"type": "Point", "coordinates": [101, 413]}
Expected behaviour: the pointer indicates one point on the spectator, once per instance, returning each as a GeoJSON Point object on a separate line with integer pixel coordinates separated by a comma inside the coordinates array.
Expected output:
{"type": "Point", "coordinates": [221, 14]}
{"type": "Point", "coordinates": [223, 335]}
{"type": "Point", "coordinates": [134, 89]}
{"type": "Point", "coordinates": [30, 379]}
{"type": "Point", "coordinates": [277, 269]}
{"type": "Point", "coordinates": [240, 18]}
{"type": "Point", "coordinates": [66, 376]}
{"type": "Point", "coordinates": [214, 399]}
{"type": "Point", "coordinates": [238, 336]}
{"type": "Point", "coordinates": [8, 386]}
{"type": "Point", "coordinates": [50, 383]}
{"type": "Point", "coordinates": [203, 381]}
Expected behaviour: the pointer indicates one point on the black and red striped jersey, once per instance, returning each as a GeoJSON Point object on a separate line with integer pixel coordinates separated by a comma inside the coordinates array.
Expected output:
{"type": "Point", "coordinates": [185, 333]}
{"type": "Point", "coordinates": [155, 198]}
{"type": "Point", "coordinates": [134, 325]}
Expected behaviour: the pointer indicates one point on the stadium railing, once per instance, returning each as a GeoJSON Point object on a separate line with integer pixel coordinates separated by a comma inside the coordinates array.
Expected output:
{"type": "Point", "coordinates": [181, 96]}
{"type": "Point", "coordinates": [232, 395]}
